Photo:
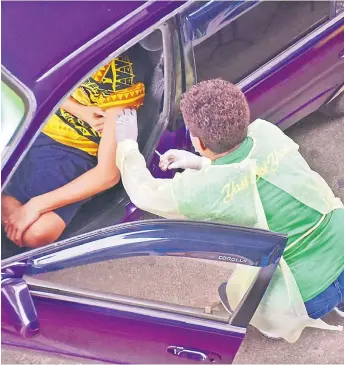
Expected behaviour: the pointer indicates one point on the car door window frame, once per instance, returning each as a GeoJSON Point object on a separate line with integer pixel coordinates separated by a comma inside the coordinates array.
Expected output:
{"type": "Point", "coordinates": [240, 318]}
{"type": "Point", "coordinates": [274, 63]}
{"type": "Point", "coordinates": [56, 257]}
{"type": "Point", "coordinates": [29, 110]}
{"type": "Point", "coordinates": [169, 40]}
{"type": "Point", "coordinates": [165, 26]}
{"type": "Point", "coordinates": [270, 65]}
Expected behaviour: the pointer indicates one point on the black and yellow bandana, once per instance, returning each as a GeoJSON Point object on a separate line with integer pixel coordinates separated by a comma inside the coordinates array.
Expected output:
{"type": "Point", "coordinates": [112, 85]}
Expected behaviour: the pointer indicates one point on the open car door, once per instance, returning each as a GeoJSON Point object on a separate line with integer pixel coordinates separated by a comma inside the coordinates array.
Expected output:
{"type": "Point", "coordinates": [61, 319]}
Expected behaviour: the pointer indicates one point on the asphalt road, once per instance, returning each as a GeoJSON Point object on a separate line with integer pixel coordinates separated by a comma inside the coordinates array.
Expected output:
{"type": "Point", "coordinates": [321, 142]}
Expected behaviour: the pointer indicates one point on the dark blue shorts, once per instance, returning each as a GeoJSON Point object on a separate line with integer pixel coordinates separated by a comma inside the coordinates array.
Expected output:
{"type": "Point", "coordinates": [47, 166]}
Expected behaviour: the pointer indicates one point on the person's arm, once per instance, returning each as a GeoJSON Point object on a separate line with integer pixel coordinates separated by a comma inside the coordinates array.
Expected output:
{"type": "Point", "coordinates": [91, 114]}
{"type": "Point", "coordinates": [103, 176]}
{"type": "Point", "coordinates": [155, 196]}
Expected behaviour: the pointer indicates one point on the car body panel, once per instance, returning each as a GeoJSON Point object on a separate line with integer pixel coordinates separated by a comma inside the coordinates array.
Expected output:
{"type": "Point", "coordinates": [45, 34]}
{"type": "Point", "coordinates": [116, 336]}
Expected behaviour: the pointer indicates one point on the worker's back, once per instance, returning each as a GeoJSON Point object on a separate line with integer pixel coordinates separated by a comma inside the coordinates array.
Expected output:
{"type": "Point", "coordinates": [267, 174]}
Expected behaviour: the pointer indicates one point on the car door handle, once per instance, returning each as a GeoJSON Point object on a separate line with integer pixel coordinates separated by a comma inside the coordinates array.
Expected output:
{"type": "Point", "coordinates": [18, 308]}
{"type": "Point", "coordinates": [193, 354]}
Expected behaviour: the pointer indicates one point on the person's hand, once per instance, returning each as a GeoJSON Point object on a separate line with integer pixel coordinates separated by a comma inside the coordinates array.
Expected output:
{"type": "Point", "coordinates": [179, 159]}
{"type": "Point", "coordinates": [93, 115]}
{"type": "Point", "coordinates": [126, 125]}
{"type": "Point", "coordinates": [20, 220]}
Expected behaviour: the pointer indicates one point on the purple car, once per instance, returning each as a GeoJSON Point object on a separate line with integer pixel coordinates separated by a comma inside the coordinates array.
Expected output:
{"type": "Point", "coordinates": [287, 56]}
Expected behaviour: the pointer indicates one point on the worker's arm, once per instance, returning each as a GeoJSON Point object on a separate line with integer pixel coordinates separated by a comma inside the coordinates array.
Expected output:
{"type": "Point", "coordinates": [146, 192]}
{"type": "Point", "coordinates": [103, 176]}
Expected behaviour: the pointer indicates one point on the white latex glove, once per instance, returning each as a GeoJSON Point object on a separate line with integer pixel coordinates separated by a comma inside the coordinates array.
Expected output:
{"type": "Point", "coordinates": [179, 159]}
{"type": "Point", "coordinates": [126, 125]}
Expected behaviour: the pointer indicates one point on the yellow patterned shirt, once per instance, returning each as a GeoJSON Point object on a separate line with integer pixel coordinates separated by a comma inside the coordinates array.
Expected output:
{"type": "Point", "coordinates": [115, 84]}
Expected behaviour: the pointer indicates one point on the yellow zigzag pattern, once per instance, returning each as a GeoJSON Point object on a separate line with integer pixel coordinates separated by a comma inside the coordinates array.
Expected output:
{"type": "Point", "coordinates": [118, 65]}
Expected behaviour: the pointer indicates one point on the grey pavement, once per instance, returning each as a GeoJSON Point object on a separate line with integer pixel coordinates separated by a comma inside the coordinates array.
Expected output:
{"type": "Point", "coordinates": [194, 283]}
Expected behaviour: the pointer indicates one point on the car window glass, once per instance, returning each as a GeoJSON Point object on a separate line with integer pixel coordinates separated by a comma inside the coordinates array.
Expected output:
{"type": "Point", "coordinates": [256, 37]}
{"type": "Point", "coordinates": [12, 114]}
{"type": "Point", "coordinates": [173, 280]}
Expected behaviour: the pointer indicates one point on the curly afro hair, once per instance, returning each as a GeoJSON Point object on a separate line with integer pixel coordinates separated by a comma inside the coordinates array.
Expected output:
{"type": "Point", "coordinates": [216, 112]}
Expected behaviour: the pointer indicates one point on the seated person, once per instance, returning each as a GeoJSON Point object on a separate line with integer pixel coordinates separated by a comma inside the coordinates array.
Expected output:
{"type": "Point", "coordinates": [73, 158]}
